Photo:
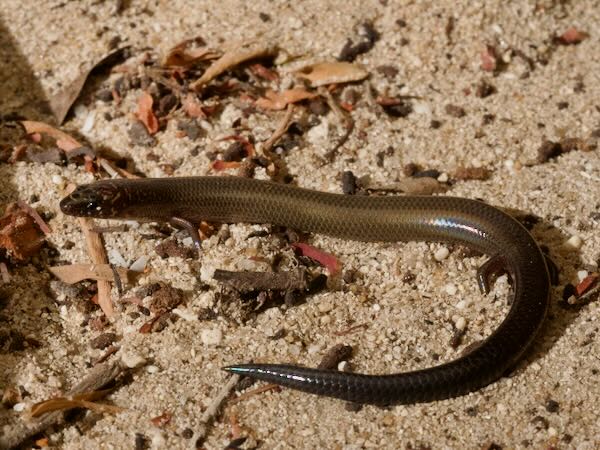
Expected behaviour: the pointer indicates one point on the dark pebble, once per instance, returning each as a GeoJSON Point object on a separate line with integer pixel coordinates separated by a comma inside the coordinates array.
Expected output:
{"type": "Point", "coordinates": [102, 341]}
{"type": "Point", "coordinates": [455, 111]}
{"type": "Point", "coordinates": [264, 17]}
{"type": "Point", "coordinates": [484, 89]}
{"type": "Point", "coordinates": [549, 150]}
{"type": "Point", "coordinates": [552, 406]}
{"type": "Point", "coordinates": [318, 106]}
{"type": "Point", "coordinates": [235, 152]}
{"type": "Point", "coordinates": [402, 109]}
{"type": "Point", "coordinates": [104, 95]}
{"type": "Point", "coordinates": [348, 183]}
{"type": "Point", "coordinates": [387, 71]}
{"type": "Point", "coordinates": [429, 173]}
{"type": "Point", "coordinates": [562, 105]}
{"type": "Point", "coordinates": [138, 134]}
{"type": "Point", "coordinates": [435, 124]}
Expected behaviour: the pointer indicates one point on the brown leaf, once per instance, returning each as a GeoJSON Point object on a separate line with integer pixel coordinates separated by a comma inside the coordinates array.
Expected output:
{"type": "Point", "coordinates": [280, 100]}
{"type": "Point", "coordinates": [324, 73]}
{"type": "Point", "coordinates": [192, 106]}
{"type": "Point", "coordinates": [231, 59]}
{"type": "Point", "coordinates": [586, 284]}
{"type": "Point", "coordinates": [62, 101]}
{"type": "Point", "coordinates": [220, 165]}
{"type": "Point", "coordinates": [261, 71]}
{"type": "Point", "coordinates": [145, 114]}
{"type": "Point", "coordinates": [185, 55]}
{"type": "Point", "coordinates": [84, 400]}
{"type": "Point", "coordinates": [63, 140]}
{"type": "Point", "coordinates": [19, 233]}
{"type": "Point", "coordinates": [162, 420]}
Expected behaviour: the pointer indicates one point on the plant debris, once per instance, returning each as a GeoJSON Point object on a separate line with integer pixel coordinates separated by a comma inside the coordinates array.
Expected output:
{"type": "Point", "coordinates": [231, 59]}
{"type": "Point", "coordinates": [571, 36]}
{"type": "Point", "coordinates": [325, 259]}
{"type": "Point", "coordinates": [19, 234]}
{"type": "Point", "coordinates": [280, 100]}
{"type": "Point", "coordinates": [74, 273]}
{"type": "Point", "coordinates": [145, 114]}
{"type": "Point", "coordinates": [188, 53]}
{"type": "Point", "coordinates": [326, 73]}
{"type": "Point", "coordinates": [368, 37]}
{"type": "Point", "coordinates": [263, 281]}
{"type": "Point", "coordinates": [61, 103]}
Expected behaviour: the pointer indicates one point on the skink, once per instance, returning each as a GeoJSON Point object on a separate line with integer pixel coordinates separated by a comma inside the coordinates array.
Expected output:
{"type": "Point", "coordinates": [187, 201]}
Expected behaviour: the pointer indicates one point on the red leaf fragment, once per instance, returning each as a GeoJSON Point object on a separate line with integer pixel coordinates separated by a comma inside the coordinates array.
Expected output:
{"type": "Point", "coordinates": [572, 36]}
{"type": "Point", "coordinates": [488, 59]}
{"type": "Point", "coordinates": [329, 261]}
{"type": "Point", "coordinates": [261, 71]}
{"type": "Point", "coordinates": [162, 420]}
{"type": "Point", "coordinates": [145, 114]}
{"type": "Point", "coordinates": [220, 165]}
{"type": "Point", "coordinates": [586, 284]}
{"type": "Point", "coordinates": [193, 107]}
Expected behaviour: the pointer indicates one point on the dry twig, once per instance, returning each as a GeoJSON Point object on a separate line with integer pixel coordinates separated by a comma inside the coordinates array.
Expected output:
{"type": "Point", "coordinates": [98, 377]}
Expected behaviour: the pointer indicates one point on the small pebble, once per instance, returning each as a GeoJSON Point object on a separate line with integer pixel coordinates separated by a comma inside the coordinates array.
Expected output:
{"type": "Point", "coordinates": [152, 369]}
{"type": "Point", "coordinates": [441, 254]}
{"type": "Point", "coordinates": [461, 305]}
{"type": "Point", "coordinates": [451, 290]}
{"type": "Point", "coordinates": [211, 337]}
{"type": "Point", "coordinates": [325, 307]}
{"type": "Point", "coordinates": [460, 323]}
{"type": "Point", "coordinates": [132, 360]}
{"type": "Point", "coordinates": [443, 178]}
{"type": "Point", "coordinates": [552, 431]}
{"type": "Point", "coordinates": [376, 307]}
{"type": "Point", "coordinates": [342, 366]}
{"type": "Point", "coordinates": [582, 274]}
{"type": "Point", "coordinates": [574, 242]}
{"type": "Point", "coordinates": [19, 407]}
{"type": "Point", "coordinates": [57, 179]}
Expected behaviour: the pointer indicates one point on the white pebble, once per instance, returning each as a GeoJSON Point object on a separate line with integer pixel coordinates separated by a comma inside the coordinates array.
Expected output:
{"type": "Point", "coordinates": [139, 264]}
{"type": "Point", "coordinates": [19, 407]}
{"type": "Point", "coordinates": [443, 178]}
{"type": "Point", "coordinates": [88, 125]}
{"type": "Point", "coordinates": [132, 360]}
{"type": "Point", "coordinates": [460, 323]}
{"type": "Point", "coordinates": [461, 305]}
{"type": "Point", "coordinates": [57, 179]}
{"type": "Point", "coordinates": [582, 274]}
{"type": "Point", "coordinates": [314, 348]}
{"type": "Point", "coordinates": [211, 337]}
{"type": "Point", "coordinates": [552, 431]}
{"type": "Point", "coordinates": [376, 307]}
{"type": "Point", "coordinates": [451, 289]}
{"type": "Point", "coordinates": [342, 366]}
{"type": "Point", "coordinates": [325, 307]}
{"type": "Point", "coordinates": [152, 369]}
{"type": "Point", "coordinates": [441, 254]}
{"type": "Point", "coordinates": [574, 242]}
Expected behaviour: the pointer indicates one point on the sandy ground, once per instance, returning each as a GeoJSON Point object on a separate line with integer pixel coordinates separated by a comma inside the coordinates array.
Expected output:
{"type": "Point", "coordinates": [552, 398]}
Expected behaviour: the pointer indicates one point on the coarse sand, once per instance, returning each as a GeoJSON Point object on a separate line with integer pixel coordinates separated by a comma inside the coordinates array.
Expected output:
{"type": "Point", "coordinates": [542, 90]}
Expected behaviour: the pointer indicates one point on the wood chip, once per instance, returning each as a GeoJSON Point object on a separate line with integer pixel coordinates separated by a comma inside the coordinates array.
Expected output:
{"type": "Point", "coordinates": [19, 233]}
{"type": "Point", "coordinates": [246, 281]}
{"type": "Point", "coordinates": [324, 73]}
{"type": "Point", "coordinates": [232, 59]}
{"type": "Point", "coordinates": [74, 273]}
{"type": "Point", "coordinates": [98, 256]}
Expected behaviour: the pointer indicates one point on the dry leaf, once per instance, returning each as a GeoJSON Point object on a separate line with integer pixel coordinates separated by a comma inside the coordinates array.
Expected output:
{"type": "Point", "coordinates": [84, 400]}
{"type": "Point", "coordinates": [220, 165]}
{"type": "Point", "coordinates": [61, 102]}
{"type": "Point", "coordinates": [261, 71]}
{"type": "Point", "coordinates": [18, 233]}
{"type": "Point", "coordinates": [231, 59]}
{"type": "Point", "coordinates": [325, 259]}
{"type": "Point", "coordinates": [280, 100]}
{"type": "Point", "coordinates": [63, 140]}
{"type": "Point", "coordinates": [192, 106]}
{"type": "Point", "coordinates": [74, 273]}
{"type": "Point", "coordinates": [184, 55]}
{"type": "Point", "coordinates": [488, 59]}
{"type": "Point", "coordinates": [162, 420]}
{"type": "Point", "coordinates": [145, 114]}
{"type": "Point", "coordinates": [321, 74]}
